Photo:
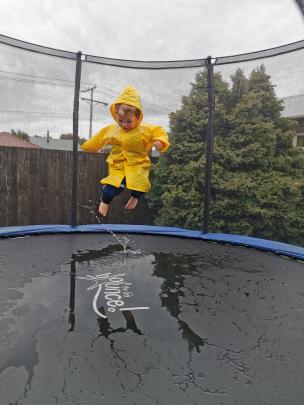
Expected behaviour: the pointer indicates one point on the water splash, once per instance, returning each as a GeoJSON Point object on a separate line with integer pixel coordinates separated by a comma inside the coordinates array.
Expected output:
{"type": "Point", "coordinates": [121, 239]}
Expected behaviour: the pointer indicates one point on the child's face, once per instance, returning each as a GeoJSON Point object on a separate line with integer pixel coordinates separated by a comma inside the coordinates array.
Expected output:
{"type": "Point", "coordinates": [126, 120]}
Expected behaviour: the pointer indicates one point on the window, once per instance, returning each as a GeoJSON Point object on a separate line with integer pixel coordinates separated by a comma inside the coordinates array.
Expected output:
{"type": "Point", "coordinates": [300, 141]}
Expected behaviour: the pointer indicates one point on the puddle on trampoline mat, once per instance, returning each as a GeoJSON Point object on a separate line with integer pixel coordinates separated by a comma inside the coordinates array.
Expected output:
{"type": "Point", "coordinates": [143, 309]}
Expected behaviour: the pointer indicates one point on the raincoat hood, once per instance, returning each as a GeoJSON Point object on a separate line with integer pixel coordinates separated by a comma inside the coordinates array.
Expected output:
{"type": "Point", "coordinates": [130, 96]}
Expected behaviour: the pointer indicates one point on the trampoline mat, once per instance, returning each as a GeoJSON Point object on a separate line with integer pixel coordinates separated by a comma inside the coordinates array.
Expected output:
{"type": "Point", "coordinates": [132, 319]}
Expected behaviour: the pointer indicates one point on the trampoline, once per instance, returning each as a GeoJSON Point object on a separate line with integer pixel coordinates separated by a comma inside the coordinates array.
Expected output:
{"type": "Point", "coordinates": [147, 315]}
{"type": "Point", "coordinates": [120, 314]}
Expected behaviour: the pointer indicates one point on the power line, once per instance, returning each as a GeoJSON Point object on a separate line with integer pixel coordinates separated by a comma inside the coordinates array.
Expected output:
{"type": "Point", "coordinates": [24, 80]}
{"type": "Point", "coordinates": [36, 112]}
{"type": "Point", "coordinates": [146, 104]}
{"type": "Point", "coordinates": [45, 80]}
{"type": "Point", "coordinates": [39, 77]}
{"type": "Point", "coordinates": [95, 101]}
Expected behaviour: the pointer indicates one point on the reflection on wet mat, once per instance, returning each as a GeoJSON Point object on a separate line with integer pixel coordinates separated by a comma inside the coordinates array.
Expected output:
{"type": "Point", "coordinates": [223, 324]}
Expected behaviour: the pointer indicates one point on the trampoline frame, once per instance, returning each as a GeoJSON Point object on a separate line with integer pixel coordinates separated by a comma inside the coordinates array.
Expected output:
{"type": "Point", "coordinates": [280, 248]}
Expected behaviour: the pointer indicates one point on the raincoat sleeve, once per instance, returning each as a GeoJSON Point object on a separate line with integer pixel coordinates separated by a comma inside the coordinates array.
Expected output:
{"type": "Point", "coordinates": [159, 134]}
{"type": "Point", "coordinates": [98, 141]}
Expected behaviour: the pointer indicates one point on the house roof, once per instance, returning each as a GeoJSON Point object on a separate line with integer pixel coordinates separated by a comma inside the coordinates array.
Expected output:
{"type": "Point", "coordinates": [7, 139]}
{"type": "Point", "coordinates": [293, 106]}
{"type": "Point", "coordinates": [59, 144]}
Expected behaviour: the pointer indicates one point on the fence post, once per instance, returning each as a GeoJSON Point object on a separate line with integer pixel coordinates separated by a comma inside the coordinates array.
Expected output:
{"type": "Point", "coordinates": [75, 139]}
{"type": "Point", "coordinates": [209, 143]}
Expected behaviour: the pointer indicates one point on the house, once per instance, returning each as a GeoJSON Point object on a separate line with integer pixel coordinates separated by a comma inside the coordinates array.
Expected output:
{"type": "Point", "coordinates": [51, 143]}
{"type": "Point", "coordinates": [7, 139]}
{"type": "Point", "coordinates": [298, 139]}
{"type": "Point", "coordinates": [294, 108]}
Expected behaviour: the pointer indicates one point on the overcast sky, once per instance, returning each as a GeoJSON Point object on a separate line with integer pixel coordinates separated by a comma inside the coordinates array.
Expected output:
{"type": "Point", "coordinates": [154, 29]}
{"type": "Point", "coordinates": [37, 90]}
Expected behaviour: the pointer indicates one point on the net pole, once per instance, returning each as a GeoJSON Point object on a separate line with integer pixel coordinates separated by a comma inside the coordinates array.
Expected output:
{"type": "Point", "coordinates": [75, 139]}
{"type": "Point", "coordinates": [209, 143]}
{"type": "Point", "coordinates": [300, 3]}
{"type": "Point", "coordinates": [91, 111]}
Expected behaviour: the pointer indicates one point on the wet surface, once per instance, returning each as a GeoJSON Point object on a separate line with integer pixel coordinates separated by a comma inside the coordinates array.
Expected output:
{"type": "Point", "coordinates": [96, 319]}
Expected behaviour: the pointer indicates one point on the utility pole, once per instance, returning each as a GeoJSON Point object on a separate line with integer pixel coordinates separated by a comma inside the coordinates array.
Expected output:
{"type": "Point", "coordinates": [91, 100]}
{"type": "Point", "coordinates": [91, 90]}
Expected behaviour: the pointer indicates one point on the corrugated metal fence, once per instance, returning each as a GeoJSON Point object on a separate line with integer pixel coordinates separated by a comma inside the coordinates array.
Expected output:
{"type": "Point", "coordinates": [35, 188]}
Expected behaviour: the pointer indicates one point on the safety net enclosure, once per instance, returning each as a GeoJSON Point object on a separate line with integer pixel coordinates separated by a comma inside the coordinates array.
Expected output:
{"type": "Point", "coordinates": [139, 319]}
{"type": "Point", "coordinates": [235, 124]}
{"type": "Point", "coordinates": [37, 89]}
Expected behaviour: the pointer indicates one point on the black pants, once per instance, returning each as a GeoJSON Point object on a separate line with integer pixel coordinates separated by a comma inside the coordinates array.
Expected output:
{"type": "Point", "coordinates": [109, 192]}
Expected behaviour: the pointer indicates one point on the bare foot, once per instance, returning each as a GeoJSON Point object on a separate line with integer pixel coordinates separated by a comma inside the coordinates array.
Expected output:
{"type": "Point", "coordinates": [103, 209]}
{"type": "Point", "coordinates": [131, 204]}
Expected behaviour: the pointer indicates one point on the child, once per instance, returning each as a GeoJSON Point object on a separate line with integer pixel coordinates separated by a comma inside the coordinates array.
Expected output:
{"type": "Point", "coordinates": [128, 163]}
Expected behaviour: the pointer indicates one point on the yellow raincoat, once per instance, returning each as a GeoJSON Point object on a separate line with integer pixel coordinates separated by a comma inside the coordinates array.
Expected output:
{"type": "Point", "coordinates": [129, 155]}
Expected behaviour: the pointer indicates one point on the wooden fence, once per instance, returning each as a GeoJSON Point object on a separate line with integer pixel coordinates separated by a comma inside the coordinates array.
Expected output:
{"type": "Point", "coordinates": [35, 188]}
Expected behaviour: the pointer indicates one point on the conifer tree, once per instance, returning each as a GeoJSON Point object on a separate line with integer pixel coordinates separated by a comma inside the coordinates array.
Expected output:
{"type": "Point", "coordinates": [258, 177]}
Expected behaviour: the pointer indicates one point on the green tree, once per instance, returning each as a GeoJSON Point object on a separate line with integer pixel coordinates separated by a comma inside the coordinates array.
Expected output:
{"type": "Point", "coordinates": [69, 136]}
{"type": "Point", "coordinates": [21, 135]}
{"type": "Point", "coordinates": [257, 184]}
{"type": "Point", "coordinates": [66, 136]}
{"type": "Point", "coordinates": [239, 87]}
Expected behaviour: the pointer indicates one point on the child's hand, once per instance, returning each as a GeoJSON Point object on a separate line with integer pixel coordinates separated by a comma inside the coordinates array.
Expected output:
{"type": "Point", "coordinates": [158, 145]}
